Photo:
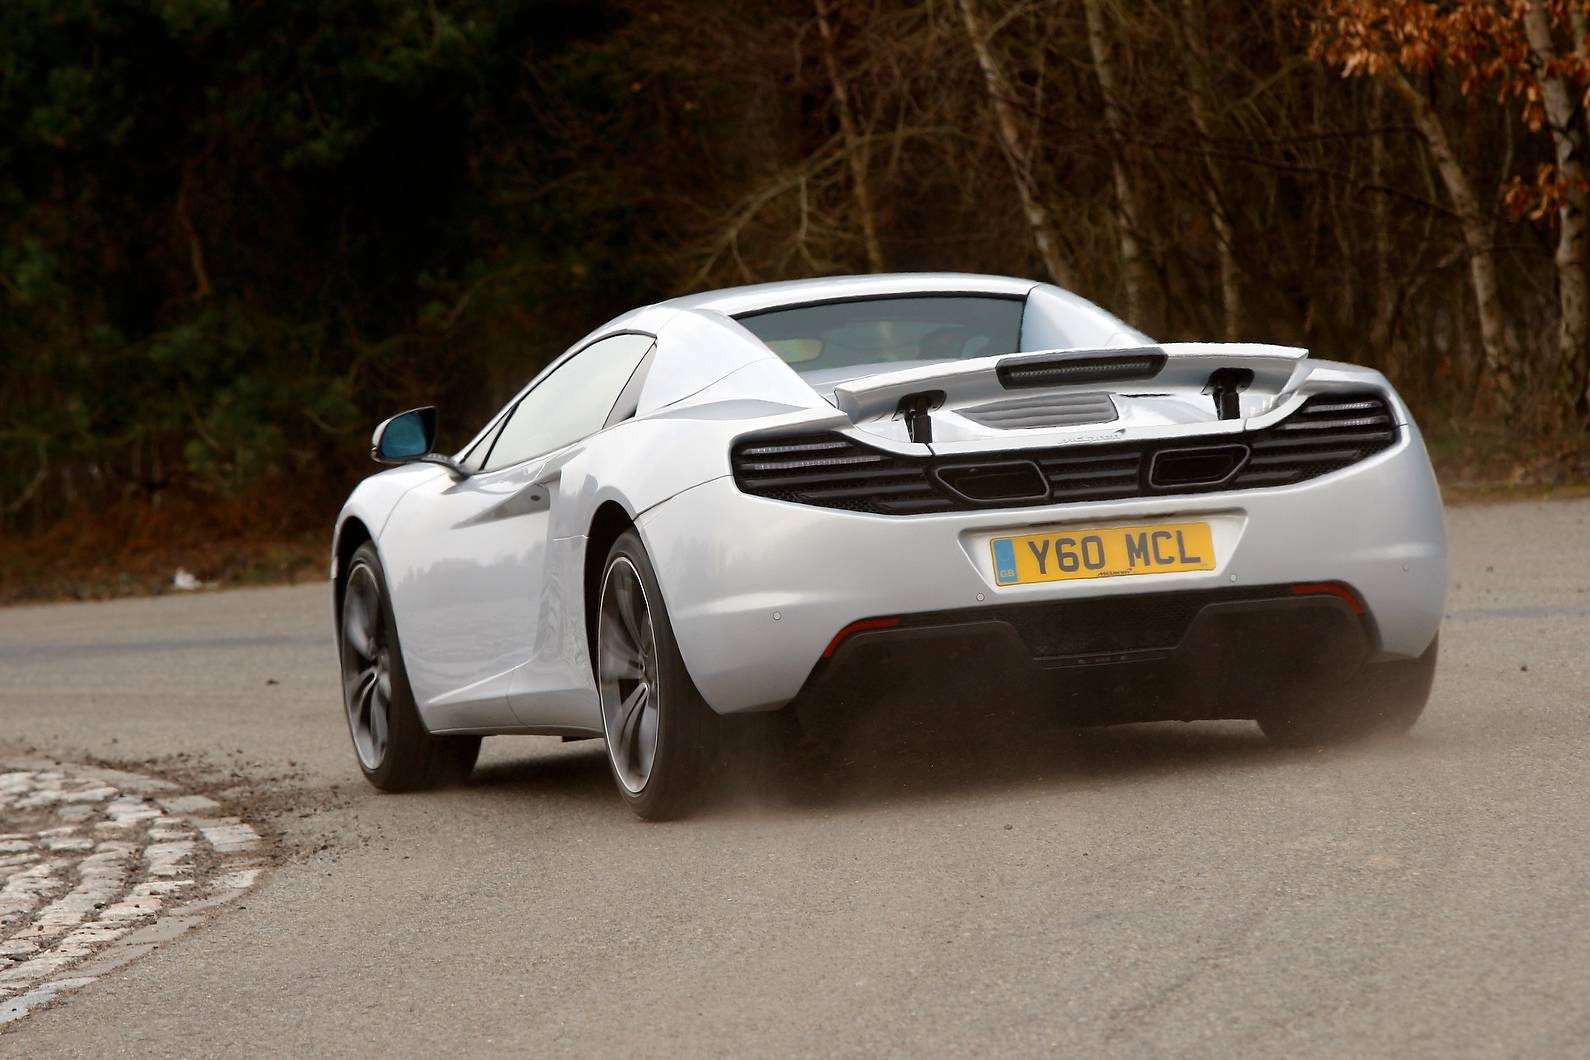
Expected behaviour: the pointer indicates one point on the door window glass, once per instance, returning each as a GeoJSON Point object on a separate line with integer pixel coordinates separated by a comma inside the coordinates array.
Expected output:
{"type": "Point", "coordinates": [571, 403]}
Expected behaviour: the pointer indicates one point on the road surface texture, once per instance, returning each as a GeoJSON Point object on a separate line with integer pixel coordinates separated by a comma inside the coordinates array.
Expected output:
{"type": "Point", "coordinates": [1143, 891]}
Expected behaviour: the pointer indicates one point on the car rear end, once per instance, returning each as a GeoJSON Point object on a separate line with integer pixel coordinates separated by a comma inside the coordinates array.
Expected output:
{"type": "Point", "coordinates": [1324, 550]}
{"type": "Point", "coordinates": [1140, 533]}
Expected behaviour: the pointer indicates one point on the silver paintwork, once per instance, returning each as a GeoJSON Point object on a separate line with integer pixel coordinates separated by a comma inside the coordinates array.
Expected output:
{"type": "Point", "coordinates": [487, 575]}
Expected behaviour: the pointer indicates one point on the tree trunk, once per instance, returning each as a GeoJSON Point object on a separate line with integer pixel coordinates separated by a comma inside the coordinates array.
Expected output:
{"type": "Point", "coordinates": [1194, 52]}
{"type": "Point", "coordinates": [1134, 265]}
{"type": "Point", "coordinates": [1385, 289]}
{"type": "Point", "coordinates": [1016, 148]}
{"type": "Point", "coordinates": [1573, 234]}
{"type": "Point", "coordinates": [201, 278]}
{"type": "Point", "coordinates": [1499, 367]}
{"type": "Point", "coordinates": [856, 150]}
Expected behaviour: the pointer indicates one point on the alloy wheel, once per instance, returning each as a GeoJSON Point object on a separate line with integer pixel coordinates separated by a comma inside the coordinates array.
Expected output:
{"type": "Point", "coordinates": [366, 667]}
{"type": "Point", "coordinates": [627, 668]}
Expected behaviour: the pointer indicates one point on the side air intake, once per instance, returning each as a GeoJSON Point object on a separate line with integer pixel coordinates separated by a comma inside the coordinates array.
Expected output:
{"type": "Point", "coordinates": [1091, 369]}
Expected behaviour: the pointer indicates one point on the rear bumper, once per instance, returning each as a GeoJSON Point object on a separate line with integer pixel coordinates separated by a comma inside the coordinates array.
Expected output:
{"type": "Point", "coordinates": [758, 588]}
{"type": "Point", "coordinates": [1184, 656]}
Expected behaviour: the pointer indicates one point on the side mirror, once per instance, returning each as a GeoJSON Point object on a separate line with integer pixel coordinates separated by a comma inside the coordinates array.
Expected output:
{"type": "Point", "coordinates": [405, 437]}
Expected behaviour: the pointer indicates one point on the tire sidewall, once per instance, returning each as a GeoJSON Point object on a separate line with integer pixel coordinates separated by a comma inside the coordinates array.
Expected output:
{"type": "Point", "coordinates": [405, 732]}
{"type": "Point", "coordinates": [673, 784]}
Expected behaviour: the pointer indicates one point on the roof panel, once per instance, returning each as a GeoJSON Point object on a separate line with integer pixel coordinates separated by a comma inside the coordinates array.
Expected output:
{"type": "Point", "coordinates": [734, 301]}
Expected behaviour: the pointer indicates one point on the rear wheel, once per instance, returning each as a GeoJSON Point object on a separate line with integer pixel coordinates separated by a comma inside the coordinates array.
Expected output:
{"type": "Point", "coordinates": [659, 730]}
{"type": "Point", "coordinates": [1381, 699]}
{"type": "Point", "coordinates": [394, 750]}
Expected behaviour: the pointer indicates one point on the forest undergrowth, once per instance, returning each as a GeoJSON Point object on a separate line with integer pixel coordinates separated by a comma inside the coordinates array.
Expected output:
{"type": "Point", "coordinates": [279, 532]}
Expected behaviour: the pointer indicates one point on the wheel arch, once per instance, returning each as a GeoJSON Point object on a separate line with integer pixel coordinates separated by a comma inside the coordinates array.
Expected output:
{"type": "Point", "coordinates": [608, 521]}
{"type": "Point", "coordinates": [350, 535]}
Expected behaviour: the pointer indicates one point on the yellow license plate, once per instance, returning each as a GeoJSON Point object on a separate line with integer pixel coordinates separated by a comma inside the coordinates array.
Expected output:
{"type": "Point", "coordinates": [1111, 553]}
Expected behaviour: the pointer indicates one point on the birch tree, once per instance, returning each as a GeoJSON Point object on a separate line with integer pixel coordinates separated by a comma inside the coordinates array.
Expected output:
{"type": "Point", "coordinates": [1134, 264]}
{"type": "Point", "coordinates": [1559, 104]}
{"type": "Point", "coordinates": [857, 150]}
{"type": "Point", "coordinates": [1017, 146]}
{"type": "Point", "coordinates": [1390, 39]}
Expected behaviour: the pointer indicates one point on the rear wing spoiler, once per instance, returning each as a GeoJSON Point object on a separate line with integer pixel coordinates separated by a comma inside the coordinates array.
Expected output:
{"type": "Point", "coordinates": [1220, 370]}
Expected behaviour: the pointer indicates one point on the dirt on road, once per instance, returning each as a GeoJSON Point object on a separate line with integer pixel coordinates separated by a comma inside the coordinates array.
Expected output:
{"type": "Point", "coordinates": [1149, 890]}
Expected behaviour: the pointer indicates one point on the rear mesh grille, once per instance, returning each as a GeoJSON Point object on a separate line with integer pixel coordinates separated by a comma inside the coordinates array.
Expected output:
{"type": "Point", "coordinates": [1328, 433]}
{"type": "Point", "coordinates": [834, 472]}
{"type": "Point", "coordinates": [1094, 477]}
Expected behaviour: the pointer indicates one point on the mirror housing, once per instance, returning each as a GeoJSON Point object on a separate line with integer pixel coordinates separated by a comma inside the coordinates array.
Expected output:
{"type": "Point", "coordinates": [408, 438]}
{"type": "Point", "coordinates": [405, 437]}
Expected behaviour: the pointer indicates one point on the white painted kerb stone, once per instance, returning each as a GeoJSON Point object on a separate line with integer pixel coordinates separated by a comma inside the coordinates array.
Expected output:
{"type": "Point", "coordinates": [98, 891]}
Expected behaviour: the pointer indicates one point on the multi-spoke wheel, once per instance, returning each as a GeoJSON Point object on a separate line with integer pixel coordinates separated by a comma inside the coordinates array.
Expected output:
{"type": "Point", "coordinates": [366, 666]}
{"type": "Point", "coordinates": [657, 726]}
{"type": "Point", "coordinates": [628, 654]}
{"type": "Point", "coordinates": [395, 752]}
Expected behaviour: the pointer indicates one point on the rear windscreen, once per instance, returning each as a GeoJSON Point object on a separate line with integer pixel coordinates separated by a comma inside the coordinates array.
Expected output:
{"type": "Point", "coordinates": [885, 330]}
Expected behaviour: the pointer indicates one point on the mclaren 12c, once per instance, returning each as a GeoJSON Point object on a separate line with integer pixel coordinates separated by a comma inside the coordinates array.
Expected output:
{"type": "Point", "coordinates": [773, 498]}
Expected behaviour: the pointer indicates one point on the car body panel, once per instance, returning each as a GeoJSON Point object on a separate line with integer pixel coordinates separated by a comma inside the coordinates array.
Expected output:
{"type": "Point", "coordinates": [487, 575]}
{"type": "Point", "coordinates": [728, 562]}
{"type": "Point", "coordinates": [465, 581]}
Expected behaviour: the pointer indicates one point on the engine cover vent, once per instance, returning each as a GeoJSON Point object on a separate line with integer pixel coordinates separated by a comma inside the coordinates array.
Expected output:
{"type": "Point", "coordinates": [1043, 410]}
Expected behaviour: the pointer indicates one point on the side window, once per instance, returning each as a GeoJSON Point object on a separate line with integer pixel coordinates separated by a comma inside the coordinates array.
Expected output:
{"type": "Point", "coordinates": [571, 403]}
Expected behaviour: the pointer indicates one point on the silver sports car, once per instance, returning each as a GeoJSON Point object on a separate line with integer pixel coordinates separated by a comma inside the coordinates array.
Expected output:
{"type": "Point", "coordinates": [787, 497]}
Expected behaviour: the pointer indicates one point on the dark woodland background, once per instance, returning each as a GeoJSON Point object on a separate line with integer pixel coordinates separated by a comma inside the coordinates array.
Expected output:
{"type": "Point", "coordinates": [236, 233]}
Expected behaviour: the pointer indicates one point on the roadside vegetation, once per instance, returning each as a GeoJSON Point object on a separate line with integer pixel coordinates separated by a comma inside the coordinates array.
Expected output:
{"type": "Point", "coordinates": [235, 234]}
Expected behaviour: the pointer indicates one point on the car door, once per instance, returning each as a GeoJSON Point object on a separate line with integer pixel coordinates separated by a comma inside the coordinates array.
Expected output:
{"type": "Point", "coordinates": [466, 560]}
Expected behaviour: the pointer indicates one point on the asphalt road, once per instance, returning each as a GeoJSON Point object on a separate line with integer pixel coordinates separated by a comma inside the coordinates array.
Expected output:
{"type": "Point", "coordinates": [1144, 891]}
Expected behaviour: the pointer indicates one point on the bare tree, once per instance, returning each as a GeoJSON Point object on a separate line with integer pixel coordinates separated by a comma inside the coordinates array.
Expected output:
{"type": "Point", "coordinates": [1195, 43]}
{"type": "Point", "coordinates": [1016, 147]}
{"type": "Point", "coordinates": [857, 153]}
{"type": "Point", "coordinates": [1367, 36]}
{"type": "Point", "coordinates": [1477, 236]}
{"type": "Point", "coordinates": [1380, 209]}
{"type": "Point", "coordinates": [1573, 234]}
{"type": "Point", "coordinates": [1135, 270]}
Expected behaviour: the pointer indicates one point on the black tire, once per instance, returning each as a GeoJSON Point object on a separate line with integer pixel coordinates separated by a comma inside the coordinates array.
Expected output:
{"type": "Point", "coordinates": [393, 749]}
{"type": "Point", "coordinates": [660, 732]}
{"type": "Point", "coordinates": [1381, 699]}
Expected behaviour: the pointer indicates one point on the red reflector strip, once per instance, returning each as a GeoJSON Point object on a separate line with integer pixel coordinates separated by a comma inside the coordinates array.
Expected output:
{"type": "Point", "coordinates": [1330, 590]}
{"type": "Point", "coordinates": [857, 627]}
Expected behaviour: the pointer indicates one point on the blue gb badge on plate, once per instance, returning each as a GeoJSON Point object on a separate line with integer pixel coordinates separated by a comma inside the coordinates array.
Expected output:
{"type": "Point", "coordinates": [1005, 562]}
